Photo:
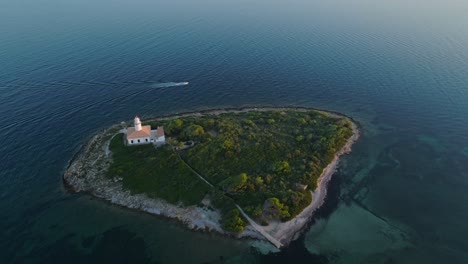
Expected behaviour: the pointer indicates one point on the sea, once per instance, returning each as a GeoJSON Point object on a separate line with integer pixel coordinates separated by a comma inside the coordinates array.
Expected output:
{"type": "Point", "coordinates": [399, 68]}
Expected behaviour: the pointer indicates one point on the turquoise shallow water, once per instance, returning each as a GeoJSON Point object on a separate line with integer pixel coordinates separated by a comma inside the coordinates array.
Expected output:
{"type": "Point", "coordinates": [69, 69]}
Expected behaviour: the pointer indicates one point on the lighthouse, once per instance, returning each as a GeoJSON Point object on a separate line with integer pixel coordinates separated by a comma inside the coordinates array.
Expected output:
{"type": "Point", "coordinates": [139, 134]}
{"type": "Point", "coordinates": [137, 123]}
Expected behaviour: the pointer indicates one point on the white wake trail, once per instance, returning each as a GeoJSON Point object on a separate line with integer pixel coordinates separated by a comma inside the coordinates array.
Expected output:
{"type": "Point", "coordinates": [168, 84]}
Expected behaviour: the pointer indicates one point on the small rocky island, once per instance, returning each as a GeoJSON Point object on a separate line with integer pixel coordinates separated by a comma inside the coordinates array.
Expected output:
{"type": "Point", "coordinates": [253, 172]}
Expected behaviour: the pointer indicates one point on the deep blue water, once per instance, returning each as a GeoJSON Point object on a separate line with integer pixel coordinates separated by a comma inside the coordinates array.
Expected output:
{"type": "Point", "coordinates": [400, 68]}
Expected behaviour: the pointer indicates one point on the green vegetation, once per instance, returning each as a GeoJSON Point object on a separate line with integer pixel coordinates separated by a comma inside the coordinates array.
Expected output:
{"type": "Point", "coordinates": [267, 162]}
{"type": "Point", "coordinates": [158, 173]}
{"type": "Point", "coordinates": [275, 209]}
{"type": "Point", "coordinates": [255, 157]}
{"type": "Point", "coordinates": [234, 184]}
{"type": "Point", "coordinates": [232, 221]}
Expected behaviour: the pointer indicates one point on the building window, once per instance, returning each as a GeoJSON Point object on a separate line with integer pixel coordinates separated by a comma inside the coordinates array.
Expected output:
{"type": "Point", "coordinates": [131, 141]}
{"type": "Point", "coordinates": [146, 140]}
{"type": "Point", "coordinates": [138, 141]}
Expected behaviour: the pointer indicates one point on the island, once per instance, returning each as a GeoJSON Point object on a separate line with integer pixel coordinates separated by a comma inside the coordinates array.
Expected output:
{"type": "Point", "coordinates": [251, 172]}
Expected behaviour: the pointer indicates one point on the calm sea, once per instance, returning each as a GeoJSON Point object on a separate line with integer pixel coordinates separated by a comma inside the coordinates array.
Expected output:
{"type": "Point", "coordinates": [399, 68]}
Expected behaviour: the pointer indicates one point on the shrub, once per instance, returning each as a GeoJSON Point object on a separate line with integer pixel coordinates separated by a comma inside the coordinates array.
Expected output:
{"type": "Point", "coordinates": [234, 184]}
{"type": "Point", "coordinates": [193, 132]}
{"type": "Point", "coordinates": [276, 209]}
{"type": "Point", "coordinates": [282, 167]}
{"type": "Point", "coordinates": [231, 221]}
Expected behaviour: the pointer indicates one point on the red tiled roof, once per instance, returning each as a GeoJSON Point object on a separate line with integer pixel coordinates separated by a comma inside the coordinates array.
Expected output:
{"type": "Point", "coordinates": [160, 131]}
{"type": "Point", "coordinates": [144, 132]}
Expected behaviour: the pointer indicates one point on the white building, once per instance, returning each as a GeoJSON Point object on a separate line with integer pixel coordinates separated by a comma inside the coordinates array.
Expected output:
{"type": "Point", "coordinates": [143, 134]}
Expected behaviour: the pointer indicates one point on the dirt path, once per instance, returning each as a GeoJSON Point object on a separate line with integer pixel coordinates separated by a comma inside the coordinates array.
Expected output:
{"type": "Point", "coordinates": [260, 229]}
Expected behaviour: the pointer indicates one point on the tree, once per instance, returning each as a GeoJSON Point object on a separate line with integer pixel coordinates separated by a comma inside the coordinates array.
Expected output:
{"type": "Point", "coordinates": [250, 123]}
{"type": "Point", "coordinates": [193, 131]}
{"type": "Point", "coordinates": [174, 126]}
{"type": "Point", "coordinates": [229, 144]}
{"type": "Point", "coordinates": [254, 211]}
{"type": "Point", "coordinates": [235, 184]}
{"type": "Point", "coordinates": [282, 167]}
{"type": "Point", "coordinates": [177, 123]}
{"type": "Point", "coordinates": [276, 209]}
{"type": "Point", "coordinates": [302, 121]}
{"type": "Point", "coordinates": [259, 181]}
{"type": "Point", "coordinates": [209, 123]}
{"type": "Point", "coordinates": [231, 221]}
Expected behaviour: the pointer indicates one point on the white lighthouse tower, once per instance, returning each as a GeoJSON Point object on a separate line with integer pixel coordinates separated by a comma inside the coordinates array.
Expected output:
{"type": "Point", "coordinates": [137, 123]}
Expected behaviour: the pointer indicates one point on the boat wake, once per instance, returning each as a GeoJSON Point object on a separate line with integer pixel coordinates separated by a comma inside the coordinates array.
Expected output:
{"type": "Point", "coordinates": [99, 102]}
{"type": "Point", "coordinates": [168, 84]}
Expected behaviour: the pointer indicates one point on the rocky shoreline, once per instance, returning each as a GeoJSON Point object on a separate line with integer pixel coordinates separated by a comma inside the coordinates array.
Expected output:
{"type": "Point", "coordinates": [86, 173]}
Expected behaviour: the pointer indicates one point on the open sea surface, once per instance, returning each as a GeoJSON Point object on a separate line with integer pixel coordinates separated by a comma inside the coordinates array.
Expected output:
{"type": "Point", "coordinates": [70, 68]}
